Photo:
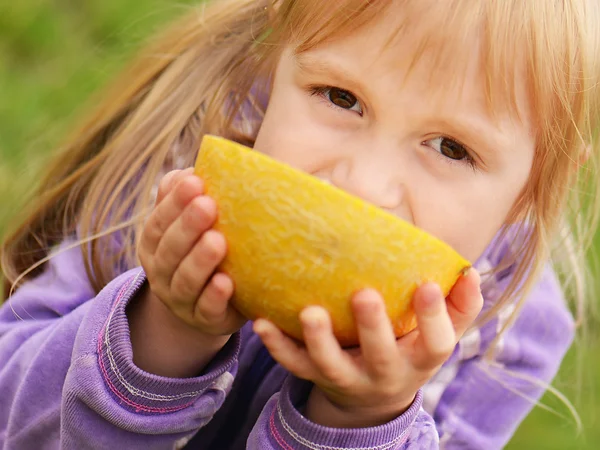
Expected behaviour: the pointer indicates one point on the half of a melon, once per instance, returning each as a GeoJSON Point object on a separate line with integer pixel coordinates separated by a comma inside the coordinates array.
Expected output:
{"type": "Point", "coordinates": [295, 241]}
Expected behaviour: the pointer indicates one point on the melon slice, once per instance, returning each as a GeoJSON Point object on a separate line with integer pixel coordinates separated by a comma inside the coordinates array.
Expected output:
{"type": "Point", "coordinates": [295, 241]}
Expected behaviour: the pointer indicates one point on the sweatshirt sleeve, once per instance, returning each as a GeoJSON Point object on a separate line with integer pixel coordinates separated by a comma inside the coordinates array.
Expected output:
{"type": "Point", "coordinates": [478, 404]}
{"type": "Point", "coordinates": [67, 375]}
{"type": "Point", "coordinates": [282, 426]}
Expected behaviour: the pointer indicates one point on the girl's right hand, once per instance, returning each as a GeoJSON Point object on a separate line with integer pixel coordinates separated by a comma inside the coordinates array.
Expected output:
{"type": "Point", "coordinates": [180, 252]}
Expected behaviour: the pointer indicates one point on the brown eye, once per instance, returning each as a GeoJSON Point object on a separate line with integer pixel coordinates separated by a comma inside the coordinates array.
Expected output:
{"type": "Point", "coordinates": [342, 98]}
{"type": "Point", "coordinates": [452, 149]}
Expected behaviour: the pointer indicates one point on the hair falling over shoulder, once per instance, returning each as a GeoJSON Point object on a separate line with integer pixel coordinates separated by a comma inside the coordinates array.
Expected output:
{"type": "Point", "coordinates": [101, 182]}
{"type": "Point", "coordinates": [195, 77]}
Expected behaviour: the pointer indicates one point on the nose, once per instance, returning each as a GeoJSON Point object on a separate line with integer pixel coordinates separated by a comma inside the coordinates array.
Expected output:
{"type": "Point", "coordinates": [370, 179]}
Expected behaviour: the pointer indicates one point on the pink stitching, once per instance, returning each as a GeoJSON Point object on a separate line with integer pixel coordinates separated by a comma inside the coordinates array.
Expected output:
{"type": "Point", "coordinates": [137, 406]}
{"type": "Point", "coordinates": [112, 387]}
{"type": "Point", "coordinates": [276, 434]}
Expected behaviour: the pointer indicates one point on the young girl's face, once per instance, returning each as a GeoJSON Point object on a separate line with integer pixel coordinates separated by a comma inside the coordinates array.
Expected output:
{"type": "Point", "coordinates": [350, 113]}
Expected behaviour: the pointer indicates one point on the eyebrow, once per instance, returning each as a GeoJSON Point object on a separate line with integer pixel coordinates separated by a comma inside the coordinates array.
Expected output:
{"type": "Point", "coordinates": [314, 65]}
{"type": "Point", "coordinates": [469, 129]}
{"type": "Point", "coordinates": [478, 134]}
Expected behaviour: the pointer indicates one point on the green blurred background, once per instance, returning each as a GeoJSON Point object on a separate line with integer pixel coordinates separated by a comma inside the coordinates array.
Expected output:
{"type": "Point", "coordinates": [55, 53]}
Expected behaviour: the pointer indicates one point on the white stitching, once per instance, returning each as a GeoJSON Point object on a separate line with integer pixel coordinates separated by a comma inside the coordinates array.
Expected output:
{"type": "Point", "coordinates": [121, 378]}
{"type": "Point", "coordinates": [315, 446]}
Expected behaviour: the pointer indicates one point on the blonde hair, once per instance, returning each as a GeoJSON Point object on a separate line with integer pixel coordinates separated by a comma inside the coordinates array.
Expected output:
{"type": "Point", "coordinates": [195, 78]}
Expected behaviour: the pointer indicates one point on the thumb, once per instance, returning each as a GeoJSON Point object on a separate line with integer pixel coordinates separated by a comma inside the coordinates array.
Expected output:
{"type": "Point", "coordinates": [465, 301]}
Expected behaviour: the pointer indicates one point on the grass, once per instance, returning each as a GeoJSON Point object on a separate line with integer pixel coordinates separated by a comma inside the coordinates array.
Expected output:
{"type": "Point", "coordinates": [53, 55]}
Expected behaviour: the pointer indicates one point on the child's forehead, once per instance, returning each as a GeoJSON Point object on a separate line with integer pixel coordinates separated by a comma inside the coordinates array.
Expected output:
{"type": "Point", "coordinates": [390, 42]}
{"type": "Point", "coordinates": [436, 54]}
{"type": "Point", "coordinates": [543, 50]}
{"type": "Point", "coordinates": [427, 23]}
{"type": "Point", "coordinates": [407, 36]}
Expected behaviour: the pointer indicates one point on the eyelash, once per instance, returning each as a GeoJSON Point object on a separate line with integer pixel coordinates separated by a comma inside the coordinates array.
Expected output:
{"type": "Point", "coordinates": [321, 92]}
{"type": "Point", "coordinates": [469, 160]}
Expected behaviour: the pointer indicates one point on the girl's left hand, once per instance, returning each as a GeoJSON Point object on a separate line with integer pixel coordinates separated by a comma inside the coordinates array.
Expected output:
{"type": "Point", "coordinates": [377, 382]}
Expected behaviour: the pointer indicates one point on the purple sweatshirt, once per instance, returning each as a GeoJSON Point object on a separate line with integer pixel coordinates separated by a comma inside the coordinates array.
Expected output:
{"type": "Point", "coordinates": [67, 380]}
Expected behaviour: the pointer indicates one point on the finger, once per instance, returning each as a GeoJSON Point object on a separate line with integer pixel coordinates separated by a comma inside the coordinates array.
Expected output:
{"type": "Point", "coordinates": [213, 308]}
{"type": "Point", "coordinates": [465, 301]}
{"type": "Point", "coordinates": [186, 187]}
{"type": "Point", "coordinates": [376, 335]}
{"type": "Point", "coordinates": [286, 351]}
{"type": "Point", "coordinates": [179, 239]}
{"type": "Point", "coordinates": [197, 267]}
{"type": "Point", "coordinates": [151, 235]}
{"type": "Point", "coordinates": [166, 184]}
{"type": "Point", "coordinates": [437, 338]}
{"type": "Point", "coordinates": [334, 365]}
{"type": "Point", "coordinates": [214, 300]}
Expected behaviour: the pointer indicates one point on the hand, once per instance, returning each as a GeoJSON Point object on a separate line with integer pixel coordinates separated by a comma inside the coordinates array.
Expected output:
{"type": "Point", "coordinates": [180, 253]}
{"type": "Point", "coordinates": [377, 382]}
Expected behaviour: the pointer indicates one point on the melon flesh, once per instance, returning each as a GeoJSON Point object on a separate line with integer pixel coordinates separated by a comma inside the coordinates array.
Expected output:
{"type": "Point", "coordinates": [295, 241]}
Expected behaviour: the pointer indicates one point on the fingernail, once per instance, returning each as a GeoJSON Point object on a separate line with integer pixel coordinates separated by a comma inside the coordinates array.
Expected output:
{"type": "Point", "coordinates": [430, 295]}
{"type": "Point", "coordinates": [311, 318]}
{"type": "Point", "coordinates": [469, 271]}
{"type": "Point", "coordinates": [208, 204]}
{"type": "Point", "coordinates": [260, 327]}
{"type": "Point", "coordinates": [368, 300]}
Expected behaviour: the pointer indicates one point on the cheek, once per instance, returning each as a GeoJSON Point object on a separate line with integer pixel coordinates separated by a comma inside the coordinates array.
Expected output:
{"type": "Point", "coordinates": [279, 137]}
{"type": "Point", "coordinates": [474, 235]}
{"type": "Point", "coordinates": [465, 220]}
{"type": "Point", "coordinates": [291, 134]}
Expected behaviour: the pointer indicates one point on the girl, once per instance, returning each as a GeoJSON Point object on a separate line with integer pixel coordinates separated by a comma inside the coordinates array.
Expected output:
{"type": "Point", "coordinates": [470, 119]}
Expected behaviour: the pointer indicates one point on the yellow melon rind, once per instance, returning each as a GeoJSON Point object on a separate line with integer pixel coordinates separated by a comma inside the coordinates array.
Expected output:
{"type": "Point", "coordinates": [295, 241]}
